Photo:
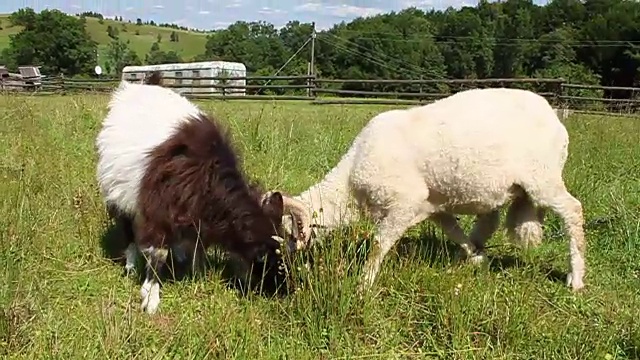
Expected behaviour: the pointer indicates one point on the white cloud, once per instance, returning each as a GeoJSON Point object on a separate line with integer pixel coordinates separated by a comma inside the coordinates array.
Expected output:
{"type": "Point", "coordinates": [159, 7]}
{"type": "Point", "coordinates": [308, 7]}
{"type": "Point", "coordinates": [344, 11]}
{"type": "Point", "coordinates": [221, 25]}
{"type": "Point", "coordinates": [75, 6]}
{"type": "Point", "coordinates": [203, 12]}
{"type": "Point", "coordinates": [269, 11]}
{"type": "Point", "coordinates": [417, 3]}
{"type": "Point", "coordinates": [234, 4]}
{"type": "Point", "coordinates": [130, 8]}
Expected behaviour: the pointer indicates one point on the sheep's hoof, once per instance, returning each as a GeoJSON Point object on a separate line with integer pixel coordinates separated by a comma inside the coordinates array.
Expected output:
{"type": "Point", "coordinates": [478, 258]}
{"type": "Point", "coordinates": [574, 285]}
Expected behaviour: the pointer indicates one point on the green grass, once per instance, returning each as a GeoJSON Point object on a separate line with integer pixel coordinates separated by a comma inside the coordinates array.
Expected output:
{"type": "Point", "coordinates": [189, 45]}
{"type": "Point", "coordinates": [61, 298]}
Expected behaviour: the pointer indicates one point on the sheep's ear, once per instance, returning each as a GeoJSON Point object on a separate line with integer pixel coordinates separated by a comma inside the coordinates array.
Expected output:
{"type": "Point", "coordinates": [273, 204]}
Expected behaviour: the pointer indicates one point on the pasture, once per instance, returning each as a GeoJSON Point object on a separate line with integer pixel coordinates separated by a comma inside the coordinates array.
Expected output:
{"type": "Point", "coordinates": [139, 37]}
{"type": "Point", "coordinates": [61, 297]}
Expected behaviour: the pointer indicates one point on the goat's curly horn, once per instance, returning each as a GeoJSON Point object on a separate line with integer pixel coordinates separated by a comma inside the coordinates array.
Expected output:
{"type": "Point", "coordinates": [278, 239]}
{"type": "Point", "coordinates": [301, 214]}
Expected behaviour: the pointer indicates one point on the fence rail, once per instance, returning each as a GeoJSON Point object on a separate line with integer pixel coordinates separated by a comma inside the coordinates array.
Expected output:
{"type": "Point", "coordinates": [581, 97]}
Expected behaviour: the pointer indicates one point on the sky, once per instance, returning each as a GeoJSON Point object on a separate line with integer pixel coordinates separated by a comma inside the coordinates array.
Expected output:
{"type": "Point", "coordinates": [216, 14]}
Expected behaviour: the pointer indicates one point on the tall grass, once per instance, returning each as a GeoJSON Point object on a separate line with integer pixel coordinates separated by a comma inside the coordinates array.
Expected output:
{"type": "Point", "coordinates": [60, 297]}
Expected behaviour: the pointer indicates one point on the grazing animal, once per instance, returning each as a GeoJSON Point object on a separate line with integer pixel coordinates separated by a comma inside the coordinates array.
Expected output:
{"type": "Point", "coordinates": [469, 153]}
{"type": "Point", "coordinates": [170, 174]}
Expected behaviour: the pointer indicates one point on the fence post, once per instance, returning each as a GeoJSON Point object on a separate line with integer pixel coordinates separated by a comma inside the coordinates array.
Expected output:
{"type": "Point", "coordinates": [558, 93]}
{"type": "Point", "coordinates": [312, 86]}
{"type": "Point", "coordinates": [61, 83]}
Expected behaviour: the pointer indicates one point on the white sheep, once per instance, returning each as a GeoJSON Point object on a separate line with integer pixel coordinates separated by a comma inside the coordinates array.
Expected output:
{"type": "Point", "coordinates": [469, 153]}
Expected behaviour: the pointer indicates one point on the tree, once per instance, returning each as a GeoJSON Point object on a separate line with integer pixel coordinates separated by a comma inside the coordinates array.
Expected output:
{"type": "Point", "coordinates": [157, 56]}
{"type": "Point", "coordinates": [56, 41]}
{"type": "Point", "coordinates": [120, 55]}
{"type": "Point", "coordinates": [112, 32]}
{"type": "Point", "coordinates": [174, 37]}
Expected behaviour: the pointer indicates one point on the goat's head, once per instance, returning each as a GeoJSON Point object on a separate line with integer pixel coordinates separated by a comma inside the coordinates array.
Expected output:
{"type": "Point", "coordinates": [267, 259]}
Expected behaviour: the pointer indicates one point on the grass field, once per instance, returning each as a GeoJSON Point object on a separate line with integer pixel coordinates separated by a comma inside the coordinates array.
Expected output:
{"type": "Point", "coordinates": [61, 298]}
{"type": "Point", "coordinates": [189, 45]}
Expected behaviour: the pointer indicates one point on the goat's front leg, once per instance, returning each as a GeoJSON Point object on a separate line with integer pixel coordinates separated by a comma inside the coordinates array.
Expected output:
{"type": "Point", "coordinates": [156, 259]}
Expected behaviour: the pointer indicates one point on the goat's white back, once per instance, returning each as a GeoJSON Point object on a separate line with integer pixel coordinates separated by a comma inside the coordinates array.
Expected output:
{"type": "Point", "coordinates": [140, 118]}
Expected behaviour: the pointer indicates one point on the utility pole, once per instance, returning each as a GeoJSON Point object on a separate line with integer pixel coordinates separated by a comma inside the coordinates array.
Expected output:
{"type": "Point", "coordinates": [312, 70]}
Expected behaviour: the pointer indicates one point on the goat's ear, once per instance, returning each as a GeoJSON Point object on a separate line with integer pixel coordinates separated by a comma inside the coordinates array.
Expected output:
{"type": "Point", "coordinates": [273, 204]}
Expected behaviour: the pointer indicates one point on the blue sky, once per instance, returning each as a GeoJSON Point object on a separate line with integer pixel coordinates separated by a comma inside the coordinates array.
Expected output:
{"type": "Point", "coordinates": [213, 14]}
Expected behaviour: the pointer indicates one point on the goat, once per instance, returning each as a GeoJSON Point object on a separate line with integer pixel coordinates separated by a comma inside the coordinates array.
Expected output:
{"type": "Point", "coordinates": [469, 153]}
{"type": "Point", "coordinates": [170, 174]}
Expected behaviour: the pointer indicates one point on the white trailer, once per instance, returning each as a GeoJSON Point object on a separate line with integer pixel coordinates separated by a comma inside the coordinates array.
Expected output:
{"type": "Point", "coordinates": [191, 72]}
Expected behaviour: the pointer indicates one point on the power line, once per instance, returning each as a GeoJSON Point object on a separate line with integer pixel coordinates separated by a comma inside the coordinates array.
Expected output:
{"type": "Point", "coordinates": [566, 44]}
{"type": "Point", "coordinates": [498, 41]}
{"type": "Point", "coordinates": [412, 68]}
{"type": "Point", "coordinates": [358, 54]}
{"type": "Point", "coordinates": [462, 37]}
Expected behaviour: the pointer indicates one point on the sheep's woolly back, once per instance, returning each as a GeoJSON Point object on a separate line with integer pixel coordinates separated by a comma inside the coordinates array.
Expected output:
{"type": "Point", "coordinates": [140, 118]}
{"type": "Point", "coordinates": [469, 149]}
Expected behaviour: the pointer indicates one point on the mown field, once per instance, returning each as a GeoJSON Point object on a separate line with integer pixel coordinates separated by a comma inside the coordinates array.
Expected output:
{"type": "Point", "coordinates": [62, 298]}
{"type": "Point", "coordinates": [189, 45]}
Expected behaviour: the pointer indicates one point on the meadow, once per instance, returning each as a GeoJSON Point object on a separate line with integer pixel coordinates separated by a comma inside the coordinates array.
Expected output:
{"type": "Point", "coordinates": [140, 37]}
{"type": "Point", "coordinates": [61, 297]}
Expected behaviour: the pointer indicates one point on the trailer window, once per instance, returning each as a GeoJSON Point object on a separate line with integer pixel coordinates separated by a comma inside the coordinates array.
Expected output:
{"type": "Point", "coordinates": [178, 74]}
{"type": "Point", "coordinates": [196, 75]}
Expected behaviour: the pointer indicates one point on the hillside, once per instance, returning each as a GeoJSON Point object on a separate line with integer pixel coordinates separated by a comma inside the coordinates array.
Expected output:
{"type": "Point", "coordinates": [189, 45]}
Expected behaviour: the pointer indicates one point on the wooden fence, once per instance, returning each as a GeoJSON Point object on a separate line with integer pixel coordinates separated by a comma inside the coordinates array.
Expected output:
{"type": "Point", "coordinates": [592, 98]}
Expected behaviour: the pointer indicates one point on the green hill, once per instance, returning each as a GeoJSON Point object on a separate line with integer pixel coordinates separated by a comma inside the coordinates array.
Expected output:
{"type": "Point", "coordinates": [141, 37]}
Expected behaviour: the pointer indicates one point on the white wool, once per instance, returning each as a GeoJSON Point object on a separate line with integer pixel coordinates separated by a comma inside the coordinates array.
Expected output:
{"type": "Point", "coordinates": [469, 153]}
{"type": "Point", "coordinates": [140, 118]}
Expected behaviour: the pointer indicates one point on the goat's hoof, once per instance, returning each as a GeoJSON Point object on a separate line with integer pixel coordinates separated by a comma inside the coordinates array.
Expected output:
{"type": "Point", "coordinates": [150, 294]}
{"type": "Point", "coordinates": [150, 304]}
{"type": "Point", "coordinates": [129, 270]}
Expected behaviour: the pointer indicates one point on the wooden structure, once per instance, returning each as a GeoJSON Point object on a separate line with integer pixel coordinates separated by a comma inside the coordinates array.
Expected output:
{"type": "Point", "coordinates": [195, 77]}
{"type": "Point", "coordinates": [28, 79]}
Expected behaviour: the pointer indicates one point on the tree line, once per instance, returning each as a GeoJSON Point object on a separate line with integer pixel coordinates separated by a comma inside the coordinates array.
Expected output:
{"type": "Point", "coordinates": [588, 42]}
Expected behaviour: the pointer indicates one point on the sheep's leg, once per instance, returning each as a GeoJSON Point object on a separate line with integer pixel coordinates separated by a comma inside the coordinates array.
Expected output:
{"type": "Point", "coordinates": [454, 232]}
{"type": "Point", "coordinates": [485, 226]}
{"type": "Point", "coordinates": [570, 210]}
{"type": "Point", "coordinates": [390, 229]}
{"type": "Point", "coordinates": [150, 290]}
{"type": "Point", "coordinates": [524, 222]}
